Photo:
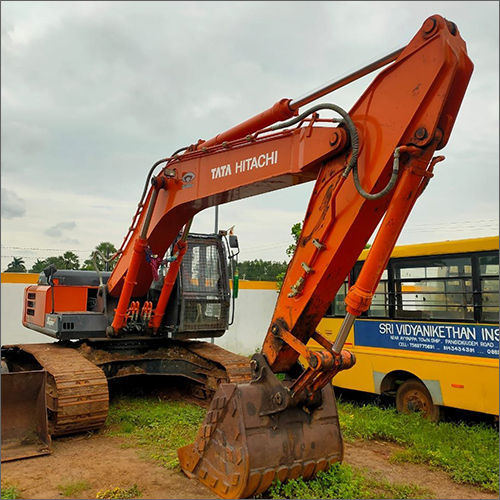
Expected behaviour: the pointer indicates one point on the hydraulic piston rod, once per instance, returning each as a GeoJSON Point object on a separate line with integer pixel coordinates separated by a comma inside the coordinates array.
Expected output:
{"type": "Point", "coordinates": [286, 108]}
{"type": "Point", "coordinates": [295, 104]}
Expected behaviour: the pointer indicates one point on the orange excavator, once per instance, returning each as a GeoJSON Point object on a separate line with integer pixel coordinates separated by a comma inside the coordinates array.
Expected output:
{"type": "Point", "coordinates": [273, 417]}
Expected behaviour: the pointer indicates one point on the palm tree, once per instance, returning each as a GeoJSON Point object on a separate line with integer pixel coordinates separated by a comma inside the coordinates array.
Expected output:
{"type": "Point", "coordinates": [38, 266]}
{"type": "Point", "coordinates": [16, 266]}
{"type": "Point", "coordinates": [105, 248]}
{"type": "Point", "coordinates": [70, 260]}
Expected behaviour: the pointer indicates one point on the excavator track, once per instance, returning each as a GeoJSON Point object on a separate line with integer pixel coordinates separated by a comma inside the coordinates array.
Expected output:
{"type": "Point", "coordinates": [205, 364]}
{"type": "Point", "coordinates": [77, 390]}
{"type": "Point", "coordinates": [77, 376]}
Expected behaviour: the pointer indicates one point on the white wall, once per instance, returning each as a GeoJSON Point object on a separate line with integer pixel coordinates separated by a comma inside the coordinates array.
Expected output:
{"type": "Point", "coordinates": [13, 331]}
{"type": "Point", "coordinates": [254, 309]}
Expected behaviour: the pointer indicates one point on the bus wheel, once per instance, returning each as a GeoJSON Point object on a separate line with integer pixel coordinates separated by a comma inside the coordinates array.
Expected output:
{"type": "Point", "coordinates": [413, 396]}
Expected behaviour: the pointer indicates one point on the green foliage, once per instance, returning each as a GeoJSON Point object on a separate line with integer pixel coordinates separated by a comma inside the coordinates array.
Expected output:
{"type": "Point", "coordinates": [295, 231]}
{"type": "Point", "coordinates": [260, 270]}
{"type": "Point", "coordinates": [468, 453]}
{"type": "Point", "coordinates": [73, 488]}
{"type": "Point", "coordinates": [159, 427]}
{"type": "Point", "coordinates": [10, 491]}
{"type": "Point", "coordinates": [68, 260]}
{"type": "Point", "coordinates": [105, 248]}
{"type": "Point", "coordinates": [342, 481]}
{"type": "Point", "coordinates": [117, 492]}
{"type": "Point", "coordinates": [38, 266]}
{"type": "Point", "coordinates": [16, 266]}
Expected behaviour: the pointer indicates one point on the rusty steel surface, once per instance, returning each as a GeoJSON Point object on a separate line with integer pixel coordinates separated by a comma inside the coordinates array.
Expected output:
{"type": "Point", "coordinates": [238, 452]}
{"type": "Point", "coordinates": [216, 363]}
{"type": "Point", "coordinates": [77, 390]}
{"type": "Point", "coordinates": [24, 419]}
{"type": "Point", "coordinates": [237, 367]}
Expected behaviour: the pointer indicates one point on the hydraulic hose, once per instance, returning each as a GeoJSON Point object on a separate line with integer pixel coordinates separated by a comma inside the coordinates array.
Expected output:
{"type": "Point", "coordinates": [353, 133]}
{"type": "Point", "coordinates": [152, 169]}
{"type": "Point", "coordinates": [353, 162]}
{"type": "Point", "coordinates": [386, 189]}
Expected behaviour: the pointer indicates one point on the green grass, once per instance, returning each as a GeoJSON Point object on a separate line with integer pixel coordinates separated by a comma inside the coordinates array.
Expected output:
{"type": "Point", "coordinates": [468, 453]}
{"type": "Point", "coordinates": [159, 427]}
{"type": "Point", "coordinates": [342, 481]}
{"type": "Point", "coordinates": [10, 491]}
{"type": "Point", "coordinates": [124, 493]}
{"type": "Point", "coordinates": [73, 488]}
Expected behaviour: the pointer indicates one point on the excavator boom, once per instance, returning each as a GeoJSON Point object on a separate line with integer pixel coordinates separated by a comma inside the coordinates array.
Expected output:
{"type": "Point", "coordinates": [370, 170]}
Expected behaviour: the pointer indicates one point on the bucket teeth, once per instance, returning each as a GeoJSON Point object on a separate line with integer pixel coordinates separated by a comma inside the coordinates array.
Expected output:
{"type": "Point", "coordinates": [239, 453]}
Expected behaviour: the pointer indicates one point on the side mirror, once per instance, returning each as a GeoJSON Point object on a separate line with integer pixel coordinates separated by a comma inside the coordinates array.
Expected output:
{"type": "Point", "coordinates": [233, 241]}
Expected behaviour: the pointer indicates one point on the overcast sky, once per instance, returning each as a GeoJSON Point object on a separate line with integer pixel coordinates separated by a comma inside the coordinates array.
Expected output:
{"type": "Point", "coordinates": [94, 92]}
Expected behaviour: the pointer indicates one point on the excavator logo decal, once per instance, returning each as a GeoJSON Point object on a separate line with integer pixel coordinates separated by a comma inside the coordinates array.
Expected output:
{"type": "Point", "coordinates": [187, 178]}
{"type": "Point", "coordinates": [246, 165]}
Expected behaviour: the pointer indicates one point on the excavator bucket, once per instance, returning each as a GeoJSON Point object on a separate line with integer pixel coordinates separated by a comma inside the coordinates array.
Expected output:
{"type": "Point", "coordinates": [24, 415]}
{"type": "Point", "coordinates": [241, 448]}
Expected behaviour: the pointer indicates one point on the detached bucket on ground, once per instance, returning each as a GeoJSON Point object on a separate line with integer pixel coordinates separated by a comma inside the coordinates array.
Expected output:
{"type": "Point", "coordinates": [24, 415]}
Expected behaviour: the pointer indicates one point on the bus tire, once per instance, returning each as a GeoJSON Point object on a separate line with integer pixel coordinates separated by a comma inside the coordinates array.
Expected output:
{"type": "Point", "coordinates": [413, 396]}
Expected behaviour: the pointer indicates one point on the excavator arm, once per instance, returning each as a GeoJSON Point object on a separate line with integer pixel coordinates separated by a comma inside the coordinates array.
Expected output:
{"type": "Point", "coordinates": [369, 169]}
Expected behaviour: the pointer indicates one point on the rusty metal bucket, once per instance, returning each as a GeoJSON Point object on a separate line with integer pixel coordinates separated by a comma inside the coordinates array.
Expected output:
{"type": "Point", "coordinates": [24, 415]}
{"type": "Point", "coordinates": [243, 444]}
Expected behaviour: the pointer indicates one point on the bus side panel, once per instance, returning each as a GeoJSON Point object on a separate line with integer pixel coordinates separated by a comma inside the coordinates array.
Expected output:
{"type": "Point", "coordinates": [464, 382]}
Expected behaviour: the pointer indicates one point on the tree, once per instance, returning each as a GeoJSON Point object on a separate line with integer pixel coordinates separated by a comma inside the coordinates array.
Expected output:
{"type": "Point", "coordinates": [16, 266]}
{"type": "Point", "coordinates": [295, 231]}
{"type": "Point", "coordinates": [105, 248]}
{"type": "Point", "coordinates": [38, 266]}
{"type": "Point", "coordinates": [68, 260]}
{"type": "Point", "coordinates": [260, 270]}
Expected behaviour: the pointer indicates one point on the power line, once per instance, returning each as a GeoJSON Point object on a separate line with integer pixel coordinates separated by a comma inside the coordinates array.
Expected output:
{"type": "Point", "coordinates": [47, 249]}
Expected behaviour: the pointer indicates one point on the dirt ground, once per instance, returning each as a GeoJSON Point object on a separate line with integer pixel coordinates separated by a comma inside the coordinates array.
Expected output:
{"type": "Point", "coordinates": [104, 463]}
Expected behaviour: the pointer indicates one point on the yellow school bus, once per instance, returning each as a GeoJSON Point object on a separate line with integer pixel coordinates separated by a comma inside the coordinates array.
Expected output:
{"type": "Point", "coordinates": [431, 335]}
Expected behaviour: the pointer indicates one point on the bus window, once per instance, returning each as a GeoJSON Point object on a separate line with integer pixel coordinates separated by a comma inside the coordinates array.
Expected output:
{"type": "Point", "coordinates": [434, 288]}
{"type": "Point", "coordinates": [488, 266]}
{"type": "Point", "coordinates": [380, 302]}
{"type": "Point", "coordinates": [338, 303]}
{"type": "Point", "coordinates": [337, 307]}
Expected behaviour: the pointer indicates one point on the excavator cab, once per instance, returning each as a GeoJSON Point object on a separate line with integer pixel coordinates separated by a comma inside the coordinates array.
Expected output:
{"type": "Point", "coordinates": [200, 303]}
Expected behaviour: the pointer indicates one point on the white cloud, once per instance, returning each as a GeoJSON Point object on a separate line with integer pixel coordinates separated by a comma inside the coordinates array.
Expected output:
{"type": "Point", "coordinates": [60, 229]}
{"type": "Point", "coordinates": [12, 205]}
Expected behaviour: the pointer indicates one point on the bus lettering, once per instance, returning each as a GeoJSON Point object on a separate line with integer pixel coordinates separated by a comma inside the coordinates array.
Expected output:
{"type": "Point", "coordinates": [459, 332]}
{"type": "Point", "coordinates": [489, 333]}
{"type": "Point", "coordinates": [468, 340]}
{"type": "Point", "coordinates": [386, 328]}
